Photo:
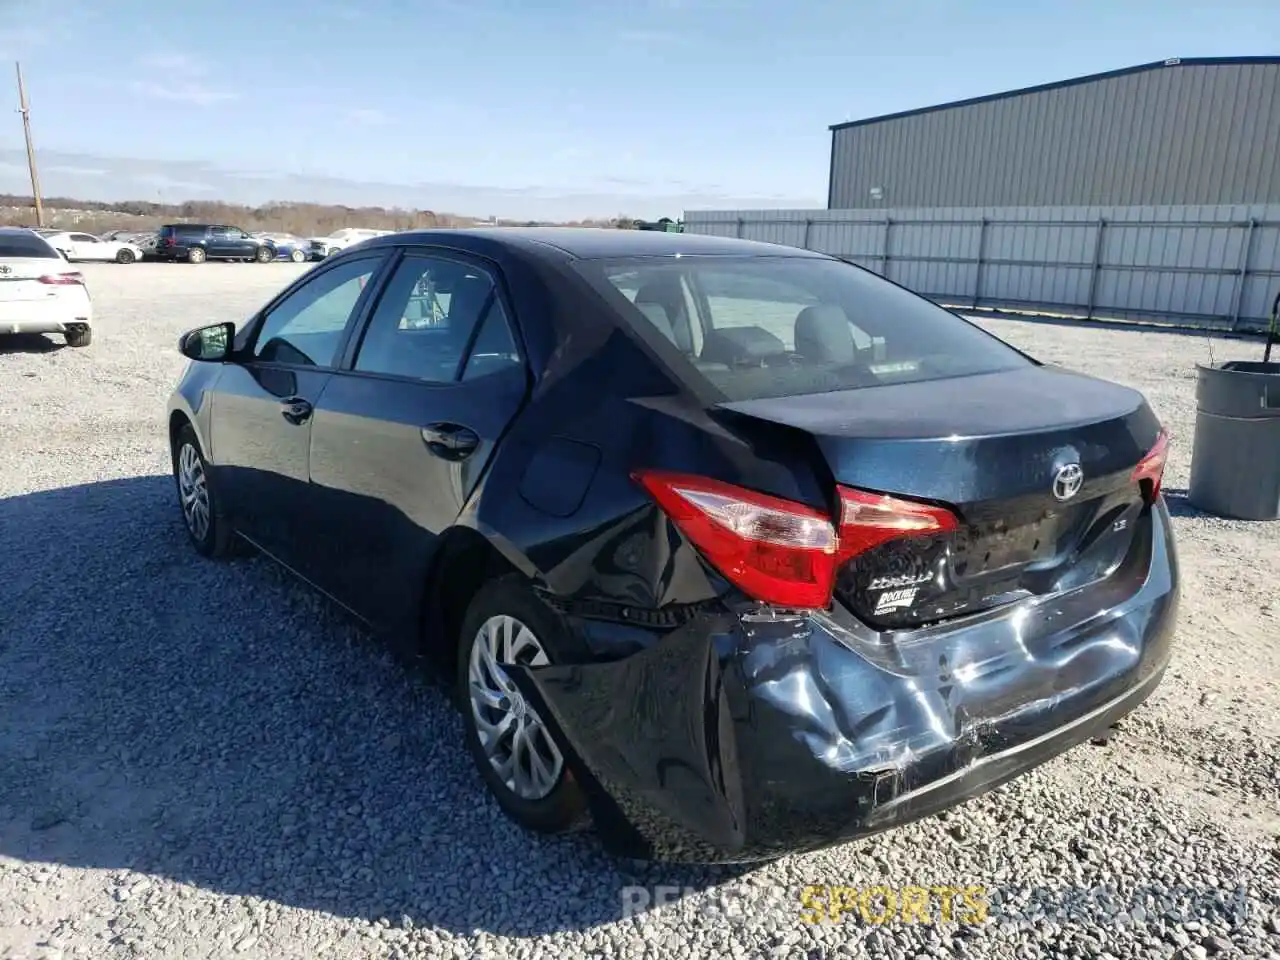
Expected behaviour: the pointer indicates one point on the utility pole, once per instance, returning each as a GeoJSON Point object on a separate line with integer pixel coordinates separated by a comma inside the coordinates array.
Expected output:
{"type": "Point", "coordinates": [25, 110]}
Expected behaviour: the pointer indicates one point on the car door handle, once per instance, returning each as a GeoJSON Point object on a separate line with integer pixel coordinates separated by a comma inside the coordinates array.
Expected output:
{"type": "Point", "coordinates": [296, 410]}
{"type": "Point", "coordinates": [450, 441]}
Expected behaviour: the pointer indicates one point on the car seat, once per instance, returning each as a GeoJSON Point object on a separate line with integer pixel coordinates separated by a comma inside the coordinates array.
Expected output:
{"type": "Point", "coordinates": [666, 292]}
{"type": "Point", "coordinates": [823, 334]}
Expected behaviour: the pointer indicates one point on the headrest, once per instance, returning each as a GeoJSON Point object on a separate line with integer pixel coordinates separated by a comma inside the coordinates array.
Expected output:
{"type": "Point", "coordinates": [664, 290]}
{"type": "Point", "coordinates": [736, 346]}
{"type": "Point", "coordinates": [823, 335]}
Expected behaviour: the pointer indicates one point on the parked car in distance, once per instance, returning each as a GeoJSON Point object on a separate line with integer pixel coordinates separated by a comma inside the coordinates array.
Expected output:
{"type": "Point", "coordinates": [146, 242]}
{"type": "Point", "coordinates": [40, 292]}
{"type": "Point", "coordinates": [322, 247]}
{"type": "Point", "coordinates": [734, 549]}
{"type": "Point", "coordinates": [85, 246]}
{"type": "Point", "coordinates": [198, 242]}
{"type": "Point", "coordinates": [287, 246]}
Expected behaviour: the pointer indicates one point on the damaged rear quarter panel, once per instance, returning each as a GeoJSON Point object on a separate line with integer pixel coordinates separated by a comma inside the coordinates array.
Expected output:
{"type": "Point", "coordinates": [744, 735]}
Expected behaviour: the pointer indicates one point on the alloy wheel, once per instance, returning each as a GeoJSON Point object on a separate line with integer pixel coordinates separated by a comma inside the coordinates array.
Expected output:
{"type": "Point", "coordinates": [193, 487]}
{"type": "Point", "coordinates": [512, 735]}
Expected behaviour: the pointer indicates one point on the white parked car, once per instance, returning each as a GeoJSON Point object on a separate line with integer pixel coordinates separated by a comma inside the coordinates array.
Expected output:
{"type": "Point", "coordinates": [322, 247]}
{"type": "Point", "coordinates": [85, 246]}
{"type": "Point", "coordinates": [40, 292]}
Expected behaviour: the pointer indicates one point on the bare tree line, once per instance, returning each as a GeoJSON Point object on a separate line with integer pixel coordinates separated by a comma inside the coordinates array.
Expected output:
{"type": "Point", "coordinates": [302, 219]}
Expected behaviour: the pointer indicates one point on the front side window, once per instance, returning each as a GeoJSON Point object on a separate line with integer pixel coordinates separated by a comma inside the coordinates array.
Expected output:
{"type": "Point", "coordinates": [757, 327]}
{"type": "Point", "coordinates": [307, 326]}
{"type": "Point", "coordinates": [434, 312]}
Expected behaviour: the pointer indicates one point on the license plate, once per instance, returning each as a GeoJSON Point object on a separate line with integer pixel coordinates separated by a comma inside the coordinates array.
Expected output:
{"type": "Point", "coordinates": [978, 550]}
{"type": "Point", "coordinates": [13, 290]}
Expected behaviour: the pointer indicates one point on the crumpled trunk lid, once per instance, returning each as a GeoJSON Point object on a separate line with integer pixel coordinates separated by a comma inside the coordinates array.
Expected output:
{"type": "Point", "coordinates": [1036, 463]}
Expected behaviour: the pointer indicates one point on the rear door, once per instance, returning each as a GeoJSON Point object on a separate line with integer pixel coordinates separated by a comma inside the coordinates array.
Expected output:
{"type": "Point", "coordinates": [401, 438]}
{"type": "Point", "coordinates": [263, 405]}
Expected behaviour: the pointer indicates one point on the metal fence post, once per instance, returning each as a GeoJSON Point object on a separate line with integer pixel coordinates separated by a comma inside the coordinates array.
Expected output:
{"type": "Point", "coordinates": [808, 225]}
{"type": "Point", "coordinates": [982, 249]}
{"type": "Point", "coordinates": [1237, 295]}
{"type": "Point", "coordinates": [1097, 265]}
{"type": "Point", "coordinates": [884, 259]}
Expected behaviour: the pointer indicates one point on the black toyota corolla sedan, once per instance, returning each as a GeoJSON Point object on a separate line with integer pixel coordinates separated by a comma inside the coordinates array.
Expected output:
{"type": "Point", "coordinates": [731, 549]}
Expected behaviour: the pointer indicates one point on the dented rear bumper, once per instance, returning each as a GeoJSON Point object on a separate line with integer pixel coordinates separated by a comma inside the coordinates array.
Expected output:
{"type": "Point", "coordinates": [747, 734]}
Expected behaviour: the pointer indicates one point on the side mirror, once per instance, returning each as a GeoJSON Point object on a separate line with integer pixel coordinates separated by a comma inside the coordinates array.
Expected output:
{"type": "Point", "coordinates": [210, 344]}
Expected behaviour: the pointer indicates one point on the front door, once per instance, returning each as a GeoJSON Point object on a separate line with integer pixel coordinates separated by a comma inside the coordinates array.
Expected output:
{"type": "Point", "coordinates": [263, 407]}
{"type": "Point", "coordinates": [86, 247]}
{"type": "Point", "coordinates": [400, 440]}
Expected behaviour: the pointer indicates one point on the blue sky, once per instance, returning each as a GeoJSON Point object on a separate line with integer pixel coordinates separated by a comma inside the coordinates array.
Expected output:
{"type": "Point", "coordinates": [556, 108]}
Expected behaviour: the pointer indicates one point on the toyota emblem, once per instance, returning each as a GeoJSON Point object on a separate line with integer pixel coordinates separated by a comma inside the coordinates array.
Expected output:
{"type": "Point", "coordinates": [1068, 481]}
{"type": "Point", "coordinates": [5, 268]}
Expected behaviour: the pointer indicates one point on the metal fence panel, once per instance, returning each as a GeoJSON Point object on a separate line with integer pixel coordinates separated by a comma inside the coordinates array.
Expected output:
{"type": "Point", "coordinates": [1210, 266]}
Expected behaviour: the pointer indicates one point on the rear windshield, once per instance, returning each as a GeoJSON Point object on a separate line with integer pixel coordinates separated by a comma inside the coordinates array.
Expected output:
{"type": "Point", "coordinates": [759, 327]}
{"type": "Point", "coordinates": [26, 245]}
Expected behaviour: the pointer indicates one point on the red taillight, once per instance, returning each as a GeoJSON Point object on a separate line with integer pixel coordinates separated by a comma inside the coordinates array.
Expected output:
{"type": "Point", "coordinates": [780, 552]}
{"type": "Point", "coordinates": [62, 279]}
{"type": "Point", "coordinates": [1149, 473]}
{"type": "Point", "coordinates": [774, 550]}
{"type": "Point", "coordinates": [869, 519]}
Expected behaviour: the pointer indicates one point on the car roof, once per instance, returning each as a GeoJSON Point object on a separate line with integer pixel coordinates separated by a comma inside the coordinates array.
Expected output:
{"type": "Point", "coordinates": [588, 243]}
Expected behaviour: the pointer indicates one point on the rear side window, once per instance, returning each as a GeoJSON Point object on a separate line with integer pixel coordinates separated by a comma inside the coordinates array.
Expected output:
{"type": "Point", "coordinates": [26, 245]}
{"type": "Point", "coordinates": [758, 327]}
{"type": "Point", "coordinates": [434, 313]}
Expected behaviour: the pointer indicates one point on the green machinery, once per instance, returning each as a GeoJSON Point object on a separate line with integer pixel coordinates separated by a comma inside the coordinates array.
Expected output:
{"type": "Point", "coordinates": [664, 225]}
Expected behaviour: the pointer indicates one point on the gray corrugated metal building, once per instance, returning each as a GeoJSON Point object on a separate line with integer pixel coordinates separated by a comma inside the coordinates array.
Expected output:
{"type": "Point", "coordinates": [1190, 131]}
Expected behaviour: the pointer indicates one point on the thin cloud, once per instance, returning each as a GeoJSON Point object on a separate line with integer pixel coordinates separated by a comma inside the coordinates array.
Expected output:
{"type": "Point", "coordinates": [78, 171]}
{"type": "Point", "coordinates": [187, 85]}
{"type": "Point", "coordinates": [368, 116]}
{"type": "Point", "coordinates": [161, 182]}
{"type": "Point", "coordinates": [654, 38]}
{"type": "Point", "coordinates": [196, 94]}
{"type": "Point", "coordinates": [19, 41]}
{"type": "Point", "coordinates": [172, 60]}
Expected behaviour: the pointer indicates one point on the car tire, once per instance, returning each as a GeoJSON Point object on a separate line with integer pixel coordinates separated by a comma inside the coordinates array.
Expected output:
{"type": "Point", "coordinates": [265, 255]}
{"type": "Point", "coordinates": [125, 256]}
{"type": "Point", "coordinates": [297, 256]}
{"type": "Point", "coordinates": [557, 804]}
{"type": "Point", "coordinates": [214, 538]}
{"type": "Point", "coordinates": [196, 255]}
{"type": "Point", "coordinates": [79, 337]}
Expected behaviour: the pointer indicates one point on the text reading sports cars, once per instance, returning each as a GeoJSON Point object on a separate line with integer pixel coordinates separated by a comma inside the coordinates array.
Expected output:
{"type": "Point", "coordinates": [733, 550]}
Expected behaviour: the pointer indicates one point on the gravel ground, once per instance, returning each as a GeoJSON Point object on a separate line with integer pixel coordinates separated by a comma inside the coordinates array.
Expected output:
{"type": "Point", "coordinates": [202, 760]}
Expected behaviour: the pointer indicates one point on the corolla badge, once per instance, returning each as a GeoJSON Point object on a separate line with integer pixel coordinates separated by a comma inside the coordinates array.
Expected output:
{"type": "Point", "coordinates": [1068, 481]}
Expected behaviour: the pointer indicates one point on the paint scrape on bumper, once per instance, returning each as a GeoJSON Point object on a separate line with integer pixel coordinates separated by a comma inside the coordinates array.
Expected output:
{"type": "Point", "coordinates": [744, 735]}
